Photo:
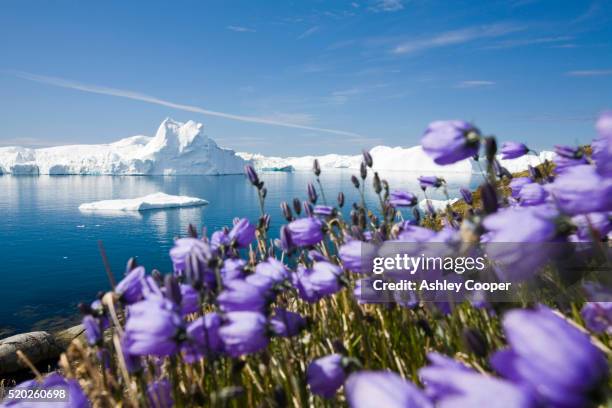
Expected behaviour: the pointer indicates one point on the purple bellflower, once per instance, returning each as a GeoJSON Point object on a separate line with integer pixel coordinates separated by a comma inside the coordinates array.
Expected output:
{"type": "Point", "coordinates": [285, 323]}
{"type": "Point", "coordinates": [130, 287]}
{"type": "Point", "coordinates": [447, 142]}
{"type": "Point", "coordinates": [399, 198]}
{"type": "Point", "coordinates": [243, 233]}
{"type": "Point", "coordinates": [326, 375]}
{"type": "Point", "coordinates": [244, 333]}
{"type": "Point", "coordinates": [305, 231]}
{"type": "Point", "coordinates": [512, 150]}
{"type": "Point", "coordinates": [375, 389]}
{"type": "Point", "coordinates": [550, 356]}
{"type": "Point", "coordinates": [241, 295]}
{"type": "Point", "coordinates": [580, 190]}
{"type": "Point", "coordinates": [152, 328]}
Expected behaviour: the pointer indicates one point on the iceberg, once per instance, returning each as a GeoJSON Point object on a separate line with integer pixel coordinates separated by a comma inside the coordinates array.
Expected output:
{"type": "Point", "coordinates": [400, 159]}
{"type": "Point", "coordinates": [149, 202]}
{"type": "Point", "coordinates": [176, 149]}
{"type": "Point", "coordinates": [388, 159]}
{"type": "Point", "coordinates": [438, 205]}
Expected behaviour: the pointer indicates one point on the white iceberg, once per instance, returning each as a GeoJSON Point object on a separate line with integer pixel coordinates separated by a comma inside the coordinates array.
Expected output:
{"type": "Point", "coordinates": [148, 202]}
{"type": "Point", "coordinates": [387, 159]}
{"type": "Point", "coordinates": [177, 149]}
{"type": "Point", "coordinates": [438, 205]}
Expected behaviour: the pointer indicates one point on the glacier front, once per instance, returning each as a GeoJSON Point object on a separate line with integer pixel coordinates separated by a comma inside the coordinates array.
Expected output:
{"type": "Point", "coordinates": [176, 149]}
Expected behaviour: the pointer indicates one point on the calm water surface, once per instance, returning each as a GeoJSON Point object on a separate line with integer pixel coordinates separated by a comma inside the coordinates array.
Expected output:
{"type": "Point", "coordinates": [48, 248]}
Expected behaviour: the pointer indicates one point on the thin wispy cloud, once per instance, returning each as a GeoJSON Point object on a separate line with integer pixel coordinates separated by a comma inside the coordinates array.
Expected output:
{"type": "Point", "coordinates": [456, 37]}
{"type": "Point", "coordinates": [387, 6]}
{"type": "Point", "coordinates": [475, 84]}
{"type": "Point", "coordinates": [529, 41]}
{"type": "Point", "coordinates": [122, 93]}
{"type": "Point", "coordinates": [308, 32]}
{"type": "Point", "coordinates": [240, 29]}
{"type": "Point", "coordinates": [590, 73]}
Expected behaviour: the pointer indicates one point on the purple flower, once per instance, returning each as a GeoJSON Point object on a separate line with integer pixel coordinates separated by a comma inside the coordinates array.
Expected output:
{"type": "Point", "coordinates": [356, 255]}
{"type": "Point", "coordinates": [232, 269]}
{"type": "Point", "coordinates": [93, 331]}
{"type": "Point", "coordinates": [190, 251]}
{"type": "Point", "coordinates": [152, 328]}
{"type": "Point", "coordinates": [563, 163]}
{"type": "Point", "coordinates": [285, 323]}
{"type": "Point", "coordinates": [323, 210]}
{"type": "Point", "coordinates": [241, 295]}
{"type": "Point", "coordinates": [244, 333]}
{"type": "Point", "coordinates": [430, 181]}
{"type": "Point", "coordinates": [580, 190]}
{"type": "Point", "coordinates": [529, 224]}
{"type": "Point", "coordinates": [602, 147]}
{"type": "Point", "coordinates": [568, 152]}
{"type": "Point", "coordinates": [447, 142]}
{"type": "Point", "coordinates": [326, 375]}
{"type": "Point", "coordinates": [516, 184]}
{"type": "Point", "coordinates": [130, 287]}
{"type": "Point", "coordinates": [190, 300]}
{"type": "Point", "coordinates": [598, 316]}
{"type": "Point", "coordinates": [203, 336]}
{"type": "Point", "coordinates": [305, 231]}
{"type": "Point", "coordinates": [159, 394]}
{"type": "Point", "coordinates": [450, 383]}
{"type": "Point", "coordinates": [532, 194]}
{"type": "Point", "coordinates": [219, 238]}
{"type": "Point", "coordinates": [550, 356]}
{"type": "Point", "coordinates": [351, 256]}
{"type": "Point", "coordinates": [243, 233]}
{"type": "Point", "coordinates": [593, 223]}
{"type": "Point", "coordinates": [76, 398]}
{"type": "Point", "coordinates": [512, 150]}
{"type": "Point", "coordinates": [402, 199]}
{"type": "Point", "coordinates": [132, 362]}
{"type": "Point", "coordinates": [251, 174]}
{"type": "Point", "coordinates": [322, 280]}
{"type": "Point", "coordinates": [467, 195]}
{"type": "Point", "coordinates": [377, 389]}
{"type": "Point", "coordinates": [273, 268]}
{"type": "Point", "coordinates": [312, 193]}
{"type": "Point", "coordinates": [510, 230]}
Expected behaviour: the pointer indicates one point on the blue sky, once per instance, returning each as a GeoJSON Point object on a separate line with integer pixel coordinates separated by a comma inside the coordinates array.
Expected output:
{"type": "Point", "coordinates": [299, 77]}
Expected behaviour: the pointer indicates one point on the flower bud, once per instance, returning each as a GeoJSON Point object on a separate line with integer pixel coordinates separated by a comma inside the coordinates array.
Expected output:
{"type": "Point", "coordinates": [308, 209]}
{"type": "Point", "coordinates": [367, 158]}
{"type": "Point", "coordinates": [341, 199]}
{"type": "Point", "coordinates": [251, 174]}
{"type": "Point", "coordinates": [355, 181]}
{"type": "Point", "coordinates": [286, 211]}
{"type": "Point", "coordinates": [316, 168]}
{"type": "Point", "coordinates": [191, 231]}
{"type": "Point", "coordinates": [363, 171]}
{"type": "Point", "coordinates": [490, 148]}
{"type": "Point", "coordinates": [312, 193]}
{"type": "Point", "coordinates": [131, 264]}
{"type": "Point", "coordinates": [297, 206]}
{"type": "Point", "coordinates": [173, 291]}
{"type": "Point", "coordinates": [489, 198]}
{"type": "Point", "coordinates": [475, 342]}
{"type": "Point", "coordinates": [376, 183]}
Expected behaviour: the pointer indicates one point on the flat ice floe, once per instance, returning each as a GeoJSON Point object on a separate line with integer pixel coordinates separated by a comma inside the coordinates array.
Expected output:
{"type": "Point", "coordinates": [148, 202]}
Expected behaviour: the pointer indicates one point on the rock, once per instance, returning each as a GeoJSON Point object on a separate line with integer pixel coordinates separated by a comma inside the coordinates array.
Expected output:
{"type": "Point", "coordinates": [38, 346]}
